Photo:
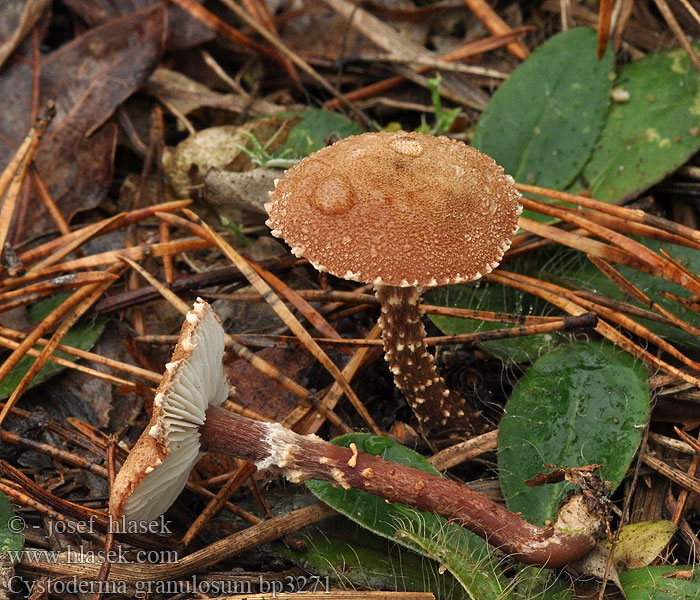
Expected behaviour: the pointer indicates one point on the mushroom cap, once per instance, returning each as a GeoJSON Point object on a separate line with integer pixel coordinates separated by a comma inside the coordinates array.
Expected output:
{"type": "Point", "coordinates": [160, 462]}
{"type": "Point", "coordinates": [397, 208]}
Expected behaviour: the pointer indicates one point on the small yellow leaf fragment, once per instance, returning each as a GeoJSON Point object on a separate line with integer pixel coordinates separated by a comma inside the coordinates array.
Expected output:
{"type": "Point", "coordinates": [352, 461]}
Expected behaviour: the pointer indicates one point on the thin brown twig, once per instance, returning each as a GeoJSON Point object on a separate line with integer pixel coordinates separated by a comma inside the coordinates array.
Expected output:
{"type": "Point", "coordinates": [496, 25]}
{"type": "Point", "coordinates": [109, 536]}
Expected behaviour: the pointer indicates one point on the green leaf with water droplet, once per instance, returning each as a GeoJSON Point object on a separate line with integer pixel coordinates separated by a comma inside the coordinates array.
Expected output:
{"type": "Point", "coordinates": [584, 403]}
{"type": "Point", "coordinates": [543, 121]}
{"type": "Point", "coordinates": [658, 583]}
{"type": "Point", "coordinates": [468, 557]}
{"type": "Point", "coordinates": [652, 134]}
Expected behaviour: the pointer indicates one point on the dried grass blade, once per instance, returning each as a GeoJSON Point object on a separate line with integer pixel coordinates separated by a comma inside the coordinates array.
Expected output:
{"type": "Point", "coordinates": [465, 51]}
{"type": "Point", "coordinates": [309, 312]}
{"type": "Point", "coordinates": [46, 199]}
{"type": "Point", "coordinates": [244, 471]}
{"type": "Point", "coordinates": [631, 214]}
{"type": "Point", "coordinates": [685, 302]}
{"type": "Point", "coordinates": [8, 343]}
{"type": "Point", "coordinates": [90, 232]}
{"type": "Point", "coordinates": [673, 25]}
{"type": "Point", "coordinates": [313, 420]}
{"type": "Point", "coordinates": [91, 356]}
{"type": "Point", "coordinates": [130, 217]}
{"type": "Point", "coordinates": [543, 290]}
{"type": "Point", "coordinates": [107, 258]}
{"type": "Point", "coordinates": [584, 244]}
{"type": "Point", "coordinates": [633, 228]}
{"type": "Point", "coordinates": [613, 316]}
{"type": "Point", "coordinates": [692, 484]}
{"type": "Point", "coordinates": [27, 147]}
{"type": "Point", "coordinates": [613, 237]}
{"type": "Point", "coordinates": [10, 203]}
{"type": "Point", "coordinates": [58, 284]}
{"type": "Point", "coordinates": [683, 269]}
{"type": "Point", "coordinates": [604, 19]}
{"type": "Point", "coordinates": [691, 441]}
{"type": "Point", "coordinates": [629, 288]}
{"type": "Point", "coordinates": [483, 11]}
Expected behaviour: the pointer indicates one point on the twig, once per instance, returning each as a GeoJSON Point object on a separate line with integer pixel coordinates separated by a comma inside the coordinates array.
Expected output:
{"type": "Point", "coordinates": [109, 536]}
{"type": "Point", "coordinates": [496, 25]}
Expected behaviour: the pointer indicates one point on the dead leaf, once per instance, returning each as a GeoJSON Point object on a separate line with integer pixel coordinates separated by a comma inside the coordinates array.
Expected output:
{"type": "Point", "coordinates": [19, 16]}
{"type": "Point", "coordinates": [183, 30]}
{"type": "Point", "coordinates": [88, 79]}
{"type": "Point", "coordinates": [240, 197]}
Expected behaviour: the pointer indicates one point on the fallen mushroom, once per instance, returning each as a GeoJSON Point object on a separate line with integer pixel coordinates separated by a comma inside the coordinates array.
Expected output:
{"type": "Point", "coordinates": [404, 211]}
{"type": "Point", "coordinates": [160, 462]}
{"type": "Point", "coordinates": [154, 473]}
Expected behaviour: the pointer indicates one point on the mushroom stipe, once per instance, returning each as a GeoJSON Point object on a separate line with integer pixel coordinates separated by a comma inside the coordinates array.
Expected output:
{"type": "Point", "coordinates": [187, 414]}
{"type": "Point", "coordinates": [404, 211]}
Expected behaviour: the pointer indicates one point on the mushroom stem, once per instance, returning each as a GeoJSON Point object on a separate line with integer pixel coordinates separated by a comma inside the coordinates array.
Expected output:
{"type": "Point", "coordinates": [408, 357]}
{"type": "Point", "coordinates": [300, 457]}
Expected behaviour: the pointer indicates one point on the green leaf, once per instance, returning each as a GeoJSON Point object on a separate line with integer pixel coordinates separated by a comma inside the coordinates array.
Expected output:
{"type": "Point", "coordinates": [572, 269]}
{"type": "Point", "coordinates": [543, 121]}
{"type": "Point", "coordinates": [82, 336]}
{"type": "Point", "coordinates": [652, 134]}
{"type": "Point", "coordinates": [650, 583]}
{"type": "Point", "coordinates": [464, 554]}
{"type": "Point", "coordinates": [350, 554]}
{"type": "Point", "coordinates": [311, 132]}
{"type": "Point", "coordinates": [11, 525]}
{"type": "Point", "coordinates": [494, 297]}
{"type": "Point", "coordinates": [535, 583]}
{"type": "Point", "coordinates": [584, 403]}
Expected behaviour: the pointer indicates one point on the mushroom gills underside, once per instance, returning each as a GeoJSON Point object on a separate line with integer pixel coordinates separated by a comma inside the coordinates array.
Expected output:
{"type": "Point", "coordinates": [159, 488]}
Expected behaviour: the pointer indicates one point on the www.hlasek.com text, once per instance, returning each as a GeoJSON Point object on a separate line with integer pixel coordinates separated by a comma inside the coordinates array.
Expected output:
{"type": "Point", "coordinates": [72, 555]}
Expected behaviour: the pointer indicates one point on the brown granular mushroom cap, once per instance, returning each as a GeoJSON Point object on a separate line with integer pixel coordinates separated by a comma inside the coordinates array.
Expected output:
{"type": "Point", "coordinates": [397, 208]}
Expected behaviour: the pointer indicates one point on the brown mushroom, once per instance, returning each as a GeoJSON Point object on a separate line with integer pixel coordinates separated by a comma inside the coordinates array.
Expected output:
{"type": "Point", "coordinates": [160, 462]}
{"type": "Point", "coordinates": [187, 420]}
{"type": "Point", "coordinates": [404, 211]}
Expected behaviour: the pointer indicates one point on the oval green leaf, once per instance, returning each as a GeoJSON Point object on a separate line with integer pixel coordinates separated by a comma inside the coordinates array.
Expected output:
{"type": "Point", "coordinates": [464, 554]}
{"type": "Point", "coordinates": [659, 583]}
{"type": "Point", "coordinates": [544, 120]}
{"type": "Point", "coordinates": [584, 403]}
{"type": "Point", "coordinates": [652, 134]}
